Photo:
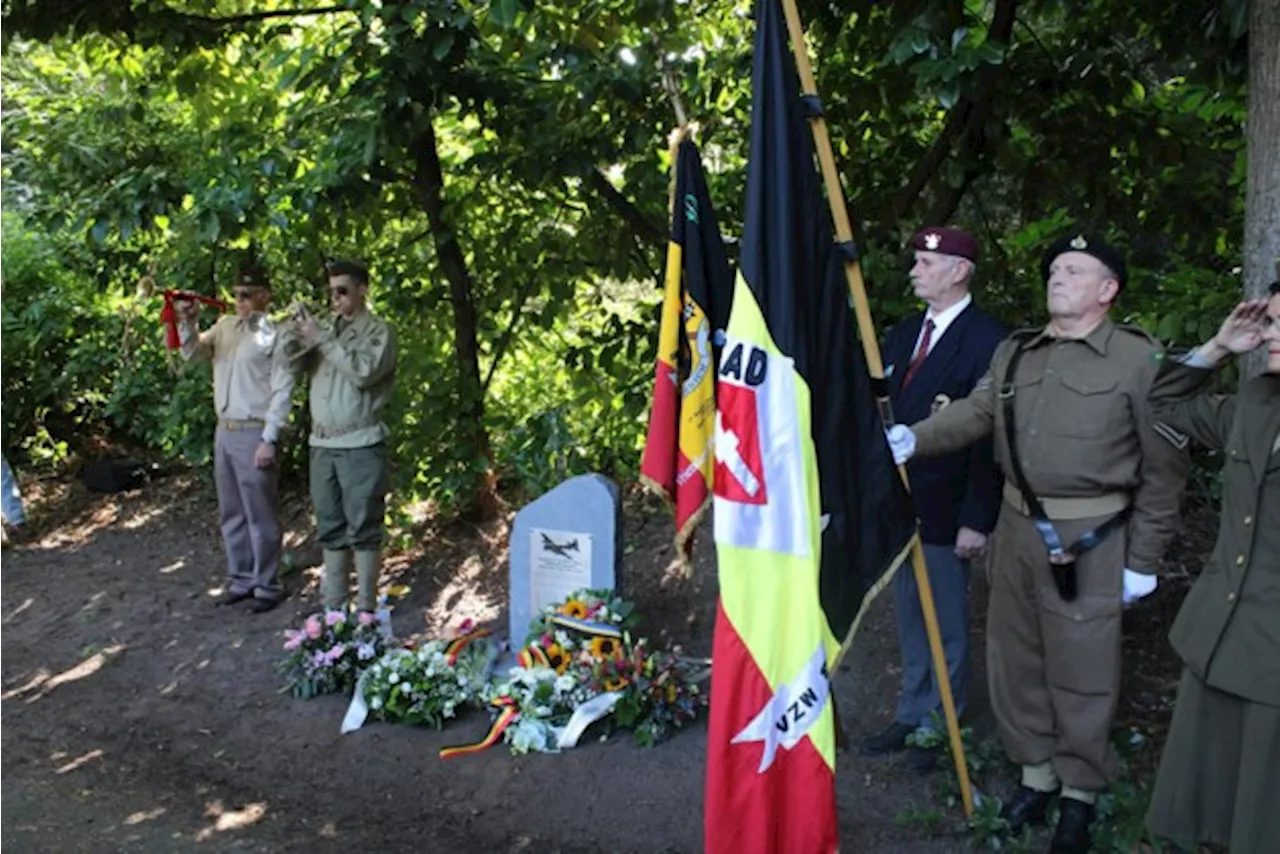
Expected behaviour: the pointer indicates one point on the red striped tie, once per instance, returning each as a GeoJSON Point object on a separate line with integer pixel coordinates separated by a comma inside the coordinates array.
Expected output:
{"type": "Point", "coordinates": [918, 359]}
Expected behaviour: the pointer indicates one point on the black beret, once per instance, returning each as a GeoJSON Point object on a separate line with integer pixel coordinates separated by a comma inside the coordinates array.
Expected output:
{"type": "Point", "coordinates": [1090, 245]}
{"type": "Point", "coordinates": [354, 269]}
{"type": "Point", "coordinates": [250, 275]}
{"type": "Point", "coordinates": [948, 241]}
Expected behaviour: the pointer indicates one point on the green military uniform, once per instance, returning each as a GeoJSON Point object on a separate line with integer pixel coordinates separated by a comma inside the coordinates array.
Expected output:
{"type": "Point", "coordinates": [352, 379]}
{"type": "Point", "coordinates": [1219, 772]}
{"type": "Point", "coordinates": [1088, 448]}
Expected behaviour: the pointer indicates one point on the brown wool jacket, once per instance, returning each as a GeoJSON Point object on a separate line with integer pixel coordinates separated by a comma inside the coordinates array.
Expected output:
{"type": "Point", "coordinates": [1228, 631]}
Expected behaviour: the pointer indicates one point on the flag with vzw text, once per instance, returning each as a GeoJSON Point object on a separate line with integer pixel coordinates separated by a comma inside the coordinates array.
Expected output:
{"type": "Point", "coordinates": [678, 453]}
{"type": "Point", "coordinates": [810, 516]}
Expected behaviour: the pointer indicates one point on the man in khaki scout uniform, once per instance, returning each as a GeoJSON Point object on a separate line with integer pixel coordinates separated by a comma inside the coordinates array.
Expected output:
{"type": "Point", "coordinates": [1219, 775]}
{"type": "Point", "coordinates": [1072, 397]}
{"type": "Point", "coordinates": [252, 384]}
{"type": "Point", "coordinates": [352, 363]}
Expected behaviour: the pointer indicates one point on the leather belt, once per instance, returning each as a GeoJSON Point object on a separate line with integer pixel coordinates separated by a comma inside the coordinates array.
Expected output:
{"type": "Point", "coordinates": [247, 424]}
{"type": "Point", "coordinates": [333, 431]}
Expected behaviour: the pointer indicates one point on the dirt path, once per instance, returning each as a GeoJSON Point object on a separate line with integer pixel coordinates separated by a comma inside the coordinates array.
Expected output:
{"type": "Point", "coordinates": [138, 717]}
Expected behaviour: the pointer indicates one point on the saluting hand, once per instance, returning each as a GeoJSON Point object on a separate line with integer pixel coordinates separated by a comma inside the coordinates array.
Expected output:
{"type": "Point", "coordinates": [1243, 328]}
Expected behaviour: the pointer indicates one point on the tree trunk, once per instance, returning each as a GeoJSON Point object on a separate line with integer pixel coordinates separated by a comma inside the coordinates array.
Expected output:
{"type": "Point", "coordinates": [428, 179]}
{"type": "Point", "coordinates": [966, 123]}
{"type": "Point", "coordinates": [1262, 194]}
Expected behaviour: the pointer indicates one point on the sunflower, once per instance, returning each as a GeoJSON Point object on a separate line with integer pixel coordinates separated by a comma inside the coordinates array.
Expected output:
{"type": "Point", "coordinates": [557, 659]}
{"type": "Point", "coordinates": [606, 648]}
{"type": "Point", "coordinates": [615, 683]}
{"type": "Point", "coordinates": [574, 608]}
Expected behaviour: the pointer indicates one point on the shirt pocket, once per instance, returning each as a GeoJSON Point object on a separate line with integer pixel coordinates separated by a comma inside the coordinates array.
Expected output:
{"type": "Point", "coordinates": [1089, 406]}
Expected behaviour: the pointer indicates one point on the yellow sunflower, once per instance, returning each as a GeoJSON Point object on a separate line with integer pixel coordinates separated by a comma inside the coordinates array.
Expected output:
{"type": "Point", "coordinates": [606, 648]}
{"type": "Point", "coordinates": [615, 683]}
{"type": "Point", "coordinates": [574, 608]}
{"type": "Point", "coordinates": [557, 660]}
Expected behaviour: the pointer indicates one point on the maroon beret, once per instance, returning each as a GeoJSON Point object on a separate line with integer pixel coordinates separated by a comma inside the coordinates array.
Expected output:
{"type": "Point", "coordinates": [948, 241]}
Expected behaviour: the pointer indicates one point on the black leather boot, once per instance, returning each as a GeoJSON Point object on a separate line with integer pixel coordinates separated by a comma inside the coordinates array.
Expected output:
{"type": "Point", "coordinates": [1072, 835]}
{"type": "Point", "coordinates": [1027, 806]}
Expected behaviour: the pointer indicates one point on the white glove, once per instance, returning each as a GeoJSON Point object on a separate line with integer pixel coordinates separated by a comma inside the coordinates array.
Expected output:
{"type": "Point", "coordinates": [1136, 586]}
{"type": "Point", "coordinates": [902, 442]}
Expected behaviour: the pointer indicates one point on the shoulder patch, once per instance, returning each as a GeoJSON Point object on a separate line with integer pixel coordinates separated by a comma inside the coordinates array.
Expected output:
{"type": "Point", "coordinates": [1174, 437]}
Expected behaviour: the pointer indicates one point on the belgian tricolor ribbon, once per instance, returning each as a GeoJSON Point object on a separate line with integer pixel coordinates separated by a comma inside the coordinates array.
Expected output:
{"type": "Point", "coordinates": [457, 645]}
{"type": "Point", "coordinates": [588, 627]}
{"type": "Point", "coordinates": [510, 711]}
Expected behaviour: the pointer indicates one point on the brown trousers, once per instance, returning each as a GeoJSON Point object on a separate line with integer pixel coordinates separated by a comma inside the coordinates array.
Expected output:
{"type": "Point", "coordinates": [248, 504]}
{"type": "Point", "coordinates": [1053, 666]}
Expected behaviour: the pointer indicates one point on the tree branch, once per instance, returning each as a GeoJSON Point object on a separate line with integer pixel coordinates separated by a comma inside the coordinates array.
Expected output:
{"type": "Point", "coordinates": [641, 225]}
{"type": "Point", "coordinates": [966, 123]}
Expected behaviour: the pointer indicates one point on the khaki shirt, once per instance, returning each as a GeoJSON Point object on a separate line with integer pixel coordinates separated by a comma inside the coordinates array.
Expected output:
{"type": "Point", "coordinates": [252, 377]}
{"type": "Point", "coordinates": [1226, 631]}
{"type": "Point", "coordinates": [353, 375]}
{"type": "Point", "coordinates": [1083, 427]}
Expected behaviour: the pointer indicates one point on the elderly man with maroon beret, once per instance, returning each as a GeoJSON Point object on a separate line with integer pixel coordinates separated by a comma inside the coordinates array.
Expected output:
{"type": "Point", "coordinates": [933, 358]}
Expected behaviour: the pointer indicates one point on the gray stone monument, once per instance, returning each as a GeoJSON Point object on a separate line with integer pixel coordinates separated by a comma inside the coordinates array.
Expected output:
{"type": "Point", "coordinates": [565, 540]}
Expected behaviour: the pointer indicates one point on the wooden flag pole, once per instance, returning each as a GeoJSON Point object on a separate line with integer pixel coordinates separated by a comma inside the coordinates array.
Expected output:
{"type": "Point", "coordinates": [871, 347]}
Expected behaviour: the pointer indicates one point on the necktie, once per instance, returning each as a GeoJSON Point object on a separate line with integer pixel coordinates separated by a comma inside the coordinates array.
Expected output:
{"type": "Point", "coordinates": [921, 352]}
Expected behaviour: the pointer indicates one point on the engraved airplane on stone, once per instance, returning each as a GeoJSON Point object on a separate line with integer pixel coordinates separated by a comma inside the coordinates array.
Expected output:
{"type": "Point", "coordinates": [561, 549]}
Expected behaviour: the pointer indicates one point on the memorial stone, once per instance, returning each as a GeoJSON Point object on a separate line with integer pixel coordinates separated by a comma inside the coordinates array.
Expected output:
{"type": "Point", "coordinates": [565, 540]}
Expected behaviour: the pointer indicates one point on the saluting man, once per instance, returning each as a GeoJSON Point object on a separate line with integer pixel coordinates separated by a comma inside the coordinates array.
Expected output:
{"type": "Point", "coordinates": [352, 365]}
{"type": "Point", "coordinates": [1091, 495]}
{"type": "Point", "coordinates": [934, 358]}
{"type": "Point", "coordinates": [252, 384]}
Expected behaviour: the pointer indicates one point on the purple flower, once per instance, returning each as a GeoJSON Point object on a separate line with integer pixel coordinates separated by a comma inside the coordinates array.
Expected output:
{"type": "Point", "coordinates": [332, 618]}
{"type": "Point", "coordinates": [294, 640]}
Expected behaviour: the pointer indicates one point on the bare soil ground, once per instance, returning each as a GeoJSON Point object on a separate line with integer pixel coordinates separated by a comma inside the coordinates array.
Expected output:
{"type": "Point", "coordinates": [139, 717]}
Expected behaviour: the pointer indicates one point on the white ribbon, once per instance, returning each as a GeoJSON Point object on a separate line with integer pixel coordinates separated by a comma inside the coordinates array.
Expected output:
{"type": "Point", "coordinates": [584, 716]}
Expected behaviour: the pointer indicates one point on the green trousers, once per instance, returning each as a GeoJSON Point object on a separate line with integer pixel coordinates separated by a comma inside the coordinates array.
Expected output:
{"type": "Point", "coordinates": [349, 491]}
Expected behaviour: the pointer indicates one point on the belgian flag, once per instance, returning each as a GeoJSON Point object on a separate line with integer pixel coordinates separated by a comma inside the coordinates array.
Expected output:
{"type": "Point", "coordinates": [678, 452]}
{"type": "Point", "coordinates": [811, 517]}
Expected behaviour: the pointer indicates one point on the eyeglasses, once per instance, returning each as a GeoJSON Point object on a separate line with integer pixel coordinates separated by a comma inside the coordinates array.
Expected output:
{"type": "Point", "coordinates": [340, 291]}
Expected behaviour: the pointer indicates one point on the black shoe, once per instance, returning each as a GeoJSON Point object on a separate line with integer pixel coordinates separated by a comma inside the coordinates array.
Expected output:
{"type": "Point", "coordinates": [1027, 806]}
{"type": "Point", "coordinates": [262, 606]}
{"type": "Point", "coordinates": [890, 740]}
{"type": "Point", "coordinates": [1072, 835]}
{"type": "Point", "coordinates": [231, 597]}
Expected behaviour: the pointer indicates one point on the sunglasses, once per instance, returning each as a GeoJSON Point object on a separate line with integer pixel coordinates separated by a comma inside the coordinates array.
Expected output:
{"type": "Point", "coordinates": [245, 293]}
{"type": "Point", "coordinates": [339, 291]}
